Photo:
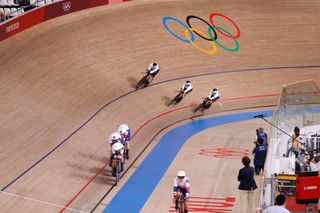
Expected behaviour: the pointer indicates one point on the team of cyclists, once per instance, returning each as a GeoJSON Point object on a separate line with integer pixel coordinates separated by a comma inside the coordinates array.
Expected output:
{"type": "Point", "coordinates": [186, 88]}
{"type": "Point", "coordinates": [119, 141]}
{"type": "Point", "coordinates": [119, 144]}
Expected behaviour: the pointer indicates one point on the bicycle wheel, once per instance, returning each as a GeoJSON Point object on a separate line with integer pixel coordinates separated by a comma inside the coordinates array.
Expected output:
{"type": "Point", "coordinates": [118, 167]}
{"type": "Point", "coordinates": [179, 98]}
{"type": "Point", "coordinates": [142, 82]}
{"type": "Point", "coordinates": [171, 102]}
{"type": "Point", "coordinates": [198, 108]}
{"type": "Point", "coordinates": [206, 106]}
{"type": "Point", "coordinates": [181, 205]}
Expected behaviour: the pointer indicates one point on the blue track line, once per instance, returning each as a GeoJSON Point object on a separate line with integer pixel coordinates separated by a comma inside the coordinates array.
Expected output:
{"type": "Point", "coordinates": [162, 82]}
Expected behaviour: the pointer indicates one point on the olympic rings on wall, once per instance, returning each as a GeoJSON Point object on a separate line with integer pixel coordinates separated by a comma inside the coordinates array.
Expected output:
{"type": "Point", "coordinates": [191, 31]}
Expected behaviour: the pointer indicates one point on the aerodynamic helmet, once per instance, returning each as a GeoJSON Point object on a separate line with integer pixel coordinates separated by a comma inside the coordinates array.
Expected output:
{"type": "Point", "coordinates": [181, 174]}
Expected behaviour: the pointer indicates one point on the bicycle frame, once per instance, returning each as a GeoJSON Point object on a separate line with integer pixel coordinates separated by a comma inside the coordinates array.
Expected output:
{"type": "Point", "coordinates": [177, 98]}
{"type": "Point", "coordinates": [144, 82]}
{"type": "Point", "coordinates": [118, 171]}
{"type": "Point", "coordinates": [180, 203]}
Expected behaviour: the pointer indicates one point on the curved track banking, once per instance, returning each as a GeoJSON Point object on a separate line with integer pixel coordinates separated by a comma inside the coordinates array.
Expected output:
{"type": "Point", "coordinates": [162, 82]}
{"type": "Point", "coordinates": [71, 86]}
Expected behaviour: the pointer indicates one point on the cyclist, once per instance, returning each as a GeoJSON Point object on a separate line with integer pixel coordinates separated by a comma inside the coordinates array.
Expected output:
{"type": "Point", "coordinates": [116, 153]}
{"type": "Point", "coordinates": [181, 187]}
{"type": "Point", "coordinates": [186, 88]}
{"type": "Point", "coordinates": [114, 137]}
{"type": "Point", "coordinates": [124, 131]}
{"type": "Point", "coordinates": [212, 97]}
{"type": "Point", "coordinates": [152, 71]}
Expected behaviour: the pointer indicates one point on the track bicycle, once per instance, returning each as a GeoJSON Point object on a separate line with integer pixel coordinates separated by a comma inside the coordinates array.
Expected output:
{"type": "Point", "coordinates": [177, 98]}
{"type": "Point", "coordinates": [144, 81]}
{"type": "Point", "coordinates": [206, 104]}
{"type": "Point", "coordinates": [180, 203]}
{"type": "Point", "coordinates": [118, 170]}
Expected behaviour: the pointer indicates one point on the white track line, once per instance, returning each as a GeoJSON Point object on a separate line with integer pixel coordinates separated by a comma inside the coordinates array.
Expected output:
{"type": "Point", "coordinates": [40, 201]}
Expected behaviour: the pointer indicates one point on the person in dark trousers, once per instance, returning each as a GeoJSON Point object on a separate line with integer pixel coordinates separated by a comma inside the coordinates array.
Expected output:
{"type": "Point", "coordinates": [247, 186]}
{"type": "Point", "coordinates": [260, 154]}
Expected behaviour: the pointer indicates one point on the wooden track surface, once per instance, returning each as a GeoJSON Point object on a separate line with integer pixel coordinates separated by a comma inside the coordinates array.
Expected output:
{"type": "Point", "coordinates": [66, 84]}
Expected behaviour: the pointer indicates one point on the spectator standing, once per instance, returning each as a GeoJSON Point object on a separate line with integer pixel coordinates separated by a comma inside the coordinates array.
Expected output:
{"type": "Point", "coordinates": [247, 186]}
{"type": "Point", "coordinates": [260, 154]}
{"type": "Point", "coordinates": [279, 206]}
{"type": "Point", "coordinates": [261, 134]}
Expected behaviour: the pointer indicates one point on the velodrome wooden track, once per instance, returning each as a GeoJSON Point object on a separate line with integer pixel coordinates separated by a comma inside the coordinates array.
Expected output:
{"type": "Point", "coordinates": [66, 84]}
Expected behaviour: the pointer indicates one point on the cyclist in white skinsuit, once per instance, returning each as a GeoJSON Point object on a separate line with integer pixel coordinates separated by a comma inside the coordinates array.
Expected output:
{"type": "Point", "coordinates": [152, 71]}
{"type": "Point", "coordinates": [186, 88]}
{"type": "Point", "coordinates": [214, 95]}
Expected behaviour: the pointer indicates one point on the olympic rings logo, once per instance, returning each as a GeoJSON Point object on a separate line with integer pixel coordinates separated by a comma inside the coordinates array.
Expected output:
{"type": "Point", "coordinates": [191, 31]}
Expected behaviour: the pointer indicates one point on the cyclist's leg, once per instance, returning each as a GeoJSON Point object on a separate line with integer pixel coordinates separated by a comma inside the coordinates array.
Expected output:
{"type": "Point", "coordinates": [186, 208]}
{"type": "Point", "coordinates": [114, 166]}
{"type": "Point", "coordinates": [185, 199]}
{"type": "Point", "coordinates": [177, 200]}
{"type": "Point", "coordinates": [152, 76]}
{"type": "Point", "coordinates": [149, 78]}
{"type": "Point", "coordinates": [127, 145]}
{"type": "Point", "coordinates": [110, 161]}
{"type": "Point", "coordinates": [122, 166]}
{"type": "Point", "coordinates": [180, 96]}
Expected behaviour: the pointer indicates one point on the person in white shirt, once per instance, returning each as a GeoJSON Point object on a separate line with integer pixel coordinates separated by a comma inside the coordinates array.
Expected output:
{"type": "Point", "coordinates": [279, 206]}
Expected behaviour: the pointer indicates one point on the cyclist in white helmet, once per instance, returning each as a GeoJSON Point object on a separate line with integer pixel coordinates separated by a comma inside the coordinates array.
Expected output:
{"type": "Point", "coordinates": [152, 71]}
{"type": "Point", "coordinates": [181, 187]}
{"type": "Point", "coordinates": [114, 137]}
{"type": "Point", "coordinates": [124, 131]}
{"type": "Point", "coordinates": [116, 153]}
